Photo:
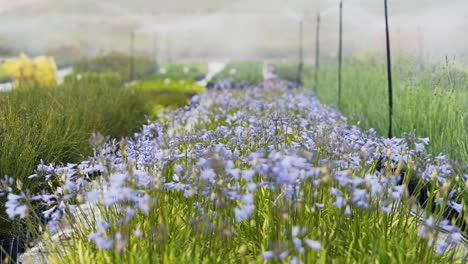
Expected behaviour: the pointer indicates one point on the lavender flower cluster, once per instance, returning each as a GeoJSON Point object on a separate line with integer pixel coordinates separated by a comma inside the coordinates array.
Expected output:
{"type": "Point", "coordinates": [229, 146]}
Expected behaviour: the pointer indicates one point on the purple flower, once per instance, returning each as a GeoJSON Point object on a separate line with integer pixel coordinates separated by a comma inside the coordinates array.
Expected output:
{"type": "Point", "coordinates": [93, 196]}
{"type": "Point", "coordinates": [102, 242]}
{"type": "Point", "coordinates": [137, 233]}
{"type": "Point", "coordinates": [208, 175]}
{"type": "Point", "coordinates": [339, 202]}
{"type": "Point", "coordinates": [313, 244]}
{"type": "Point", "coordinates": [298, 245]}
{"type": "Point", "coordinates": [347, 211]}
{"type": "Point", "coordinates": [267, 255]}
{"type": "Point", "coordinates": [244, 212]}
{"type": "Point", "coordinates": [295, 260]}
{"type": "Point", "coordinates": [336, 192]}
{"type": "Point", "coordinates": [441, 247]}
{"type": "Point", "coordinates": [14, 207]}
{"type": "Point", "coordinates": [283, 255]}
{"type": "Point", "coordinates": [120, 241]}
{"type": "Point", "coordinates": [456, 206]}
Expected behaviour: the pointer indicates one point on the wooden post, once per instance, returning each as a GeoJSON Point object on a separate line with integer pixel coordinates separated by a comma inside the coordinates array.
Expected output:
{"type": "Point", "coordinates": [389, 74]}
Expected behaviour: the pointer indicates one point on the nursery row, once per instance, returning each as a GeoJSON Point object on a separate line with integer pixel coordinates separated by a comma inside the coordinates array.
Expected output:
{"type": "Point", "coordinates": [247, 176]}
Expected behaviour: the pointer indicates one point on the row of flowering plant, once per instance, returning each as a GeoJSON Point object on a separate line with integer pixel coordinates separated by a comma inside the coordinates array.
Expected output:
{"type": "Point", "coordinates": [253, 175]}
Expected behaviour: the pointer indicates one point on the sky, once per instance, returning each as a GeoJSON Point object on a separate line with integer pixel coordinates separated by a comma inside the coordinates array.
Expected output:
{"type": "Point", "coordinates": [233, 29]}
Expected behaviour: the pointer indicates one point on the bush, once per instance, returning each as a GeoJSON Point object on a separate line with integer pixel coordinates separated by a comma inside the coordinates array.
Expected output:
{"type": "Point", "coordinates": [173, 94]}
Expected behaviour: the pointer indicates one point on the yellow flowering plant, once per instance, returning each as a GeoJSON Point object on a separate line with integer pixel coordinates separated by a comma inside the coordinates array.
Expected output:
{"type": "Point", "coordinates": [41, 70]}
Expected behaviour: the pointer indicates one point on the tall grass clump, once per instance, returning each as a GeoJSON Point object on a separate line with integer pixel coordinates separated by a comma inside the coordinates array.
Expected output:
{"type": "Point", "coordinates": [289, 71]}
{"type": "Point", "coordinates": [250, 176]}
{"type": "Point", "coordinates": [54, 124]}
{"type": "Point", "coordinates": [430, 98]}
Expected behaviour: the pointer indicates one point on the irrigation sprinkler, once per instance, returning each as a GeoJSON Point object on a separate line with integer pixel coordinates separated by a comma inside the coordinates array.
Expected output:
{"type": "Point", "coordinates": [317, 52]}
{"type": "Point", "coordinates": [132, 56]}
{"type": "Point", "coordinates": [340, 54]}
{"type": "Point", "coordinates": [389, 73]}
{"type": "Point", "coordinates": [301, 52]}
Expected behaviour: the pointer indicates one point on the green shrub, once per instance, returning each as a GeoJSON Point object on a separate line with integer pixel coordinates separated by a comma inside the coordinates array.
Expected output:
{"type": "Point", "coordinates": [161, 94]}
{"type": "Point", "coordinates": [177, 72]}
{"type": "Point", "coordinates": [117, 63]}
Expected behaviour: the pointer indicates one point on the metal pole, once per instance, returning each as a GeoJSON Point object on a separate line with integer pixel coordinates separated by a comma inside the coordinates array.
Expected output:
{"type": "Point", "coordinates": [340, 54]}
{"type": "Point", "coordinates": [389, 74]}
{"type": "Point", "coordinates": [317, 52]}
{"type": "Point", "coordinates": [301, 53]}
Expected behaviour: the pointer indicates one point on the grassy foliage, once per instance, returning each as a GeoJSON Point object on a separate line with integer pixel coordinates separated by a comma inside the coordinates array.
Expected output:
{"type": "Point", "coordinates": [178, 72]}
{"type": "Point", "coordinates": [55, 124]}
{"type": "Point", "coordinates": [289, 71]}
{"type": "Point", "coordinates": [250, 72]}
{"type": "Point", "coordinates": [430, 98]}
{"type": "Point", "coordinates": [117, 63]}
